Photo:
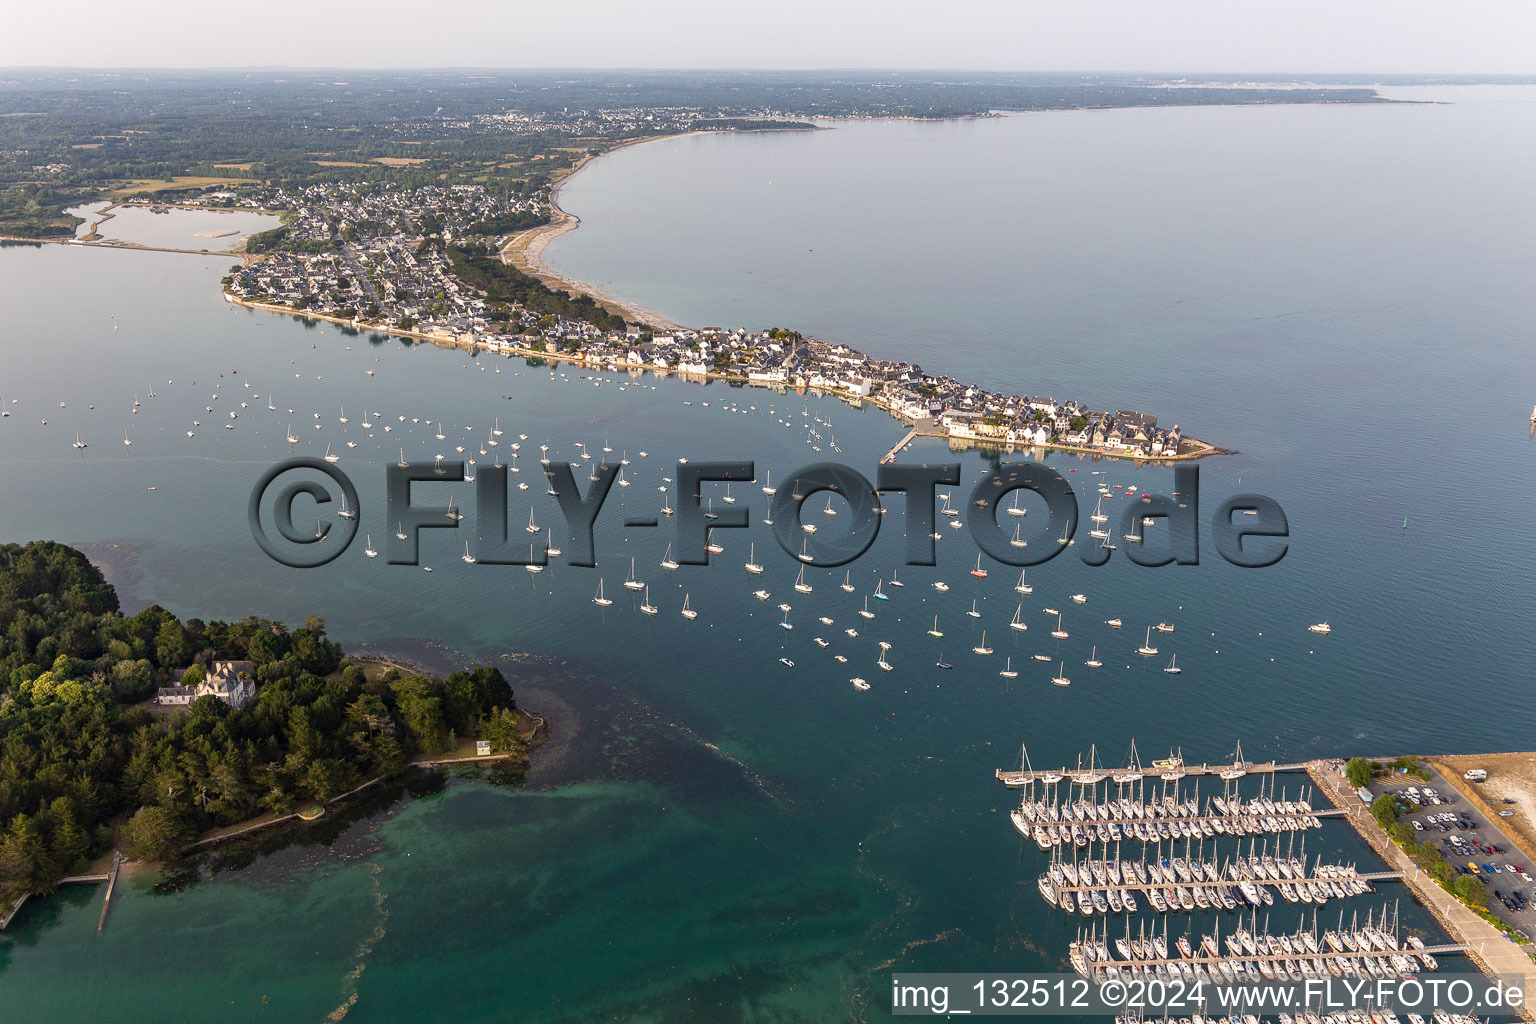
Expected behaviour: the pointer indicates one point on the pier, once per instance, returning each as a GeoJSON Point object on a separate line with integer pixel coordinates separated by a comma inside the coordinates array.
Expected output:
{"type": "Point", "coordinates": [1015, 778]}
{"type": "Point", "coordinates": [106, 904]}
{"type": "Point", "coordinates": [890, 456]}
{"type": "Point", "coordinates": [1279, 959]}
{"type": "Point", "coordinates": [1230, 883]}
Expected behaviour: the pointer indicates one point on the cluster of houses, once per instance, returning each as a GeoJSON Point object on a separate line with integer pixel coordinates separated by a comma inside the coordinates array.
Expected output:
{"type": "Point", "coordinates": [377, 272]}
{"type": "Point", "coordinates": [233, 682]}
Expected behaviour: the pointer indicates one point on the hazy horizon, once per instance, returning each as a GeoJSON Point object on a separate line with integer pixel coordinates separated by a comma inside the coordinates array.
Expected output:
{"type": "Point", "coordinates": [1301, 37]}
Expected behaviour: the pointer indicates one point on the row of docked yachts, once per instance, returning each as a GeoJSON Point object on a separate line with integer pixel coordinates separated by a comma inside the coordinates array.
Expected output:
{"type": "Point", "coordinates": [1384, 1015]}
{"type": "Point", "coordinates": [1365, 952]}
{"type": "Point", "coordinates": [1078, 823]}
{"type": "Point", "coordinates": [1110, 886]}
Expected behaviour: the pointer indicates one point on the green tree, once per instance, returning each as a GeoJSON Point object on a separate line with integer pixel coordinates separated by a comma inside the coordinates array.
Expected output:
{"type": "Point", "coordinates": [1358, 771]}
{"type": "Point", "coordinates": [155, 833]}
{"type": "Point", "coordinates": [1384, 810]}
{"type": "Point", "coordinates": [1470, 889]}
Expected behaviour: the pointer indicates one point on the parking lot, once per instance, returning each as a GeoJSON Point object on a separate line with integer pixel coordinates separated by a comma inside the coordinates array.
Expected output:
{"type": "Point", "coordinates": [1471, 842]}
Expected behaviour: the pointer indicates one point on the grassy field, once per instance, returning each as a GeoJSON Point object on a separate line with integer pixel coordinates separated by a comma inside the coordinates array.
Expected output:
{"type": "Point", "coordinates": [399, 161]}
{"type": "Point", "coordinates": [138, 185]}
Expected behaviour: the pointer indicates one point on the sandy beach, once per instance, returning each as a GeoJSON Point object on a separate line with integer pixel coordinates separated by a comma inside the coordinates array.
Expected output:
{"type": "Point", "coordinates": [525, 250]}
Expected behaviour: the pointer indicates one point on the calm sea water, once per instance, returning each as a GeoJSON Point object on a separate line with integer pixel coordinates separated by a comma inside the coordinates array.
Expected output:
{"type": "Point", "coordinates": [1339, 293]}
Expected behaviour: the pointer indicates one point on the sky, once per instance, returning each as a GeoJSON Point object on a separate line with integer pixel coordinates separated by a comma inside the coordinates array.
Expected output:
{"type": "Point", "coordinates": [1303, 36]}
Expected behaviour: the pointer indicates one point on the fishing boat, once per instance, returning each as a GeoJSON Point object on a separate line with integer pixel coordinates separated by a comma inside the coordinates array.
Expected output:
{"type": "Point", "coordinates": [761, 595]}
{"type": "Point", "coordinates": [752, 566]}
{"type": "Point", "coordinates": [800, 585]}
{"type": "Point", "coordinates": [1021, 586]}
{"type": "Point", "coordinates": [1113, 623]}
{"type": "Point", "coordinates": [1060, 678]}
{"type": "Point", "coordinates": [1321, 627]}
{"type": "Point", "coordinates": [982, 647]}
{"type": "Point", "coordinates": [631, 583]}
{"type": "Point", "coordinates": [688, 613]}
{"type": "Point", "coordinates": [1146, 648]}
{"type": "Point", "coordinates": [935, 630]}
{"type": "Point", "coordinates": [1173, 666]}
{"type": "Point", "coordinates": [786, 662]}
{"type": "Point", "coordinates": [859, 683]}
{"type": "Point", "coordinates": [1042, 657]}
{"type": "Point", "coordinates": [1008, 671]}
{"type": "Point", "coordinates": [979, 572]}
{"type": "Point", "coordinates": [600, 600]}
{"type": "Point", "coordinates": [666, 562]}
{"type": "Point", "coordinates": [940, 586]}
{"type": "Point", "coordinates": [1018, 620]}
{"type": "Point", "coordinates": [1058, 632]}
{"type": "Point", "coordinates": [646, 608]}
{"type": "Point", "coordinates": [1164, 627]}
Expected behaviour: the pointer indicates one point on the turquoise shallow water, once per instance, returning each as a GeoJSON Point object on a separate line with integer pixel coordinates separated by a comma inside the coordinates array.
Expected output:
{"type": "Point", "coordinates": [1340, 294]}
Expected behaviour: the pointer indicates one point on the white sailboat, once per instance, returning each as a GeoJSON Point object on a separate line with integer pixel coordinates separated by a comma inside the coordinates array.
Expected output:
{"type": "Point", "coordinates": [1018, 619]}
{"type": "Point", "coordinates": [126, 442]}
{"type": "Point", "coordinates": [646, 608]}
{"type": "Point", "coordinates": [632, 583]}
{"type": "Point", "coordinates": [368, 550]}
{"type": "Point", "coordinates": [469, 559]}
{"type": "Point", "coordinates": [1016, 509]}
{"type": "Point", "coordinates": [800, 585]}
{"type": "Point", "coordinates": [894, 581]}
{"type": "Point", "coordinates": [1058, 632]}
{"type": "Point", "coordinates": [1146, 649]}
{"type": "Point", "coordinates": [979, 572]}
{"type": "Point", "coordinates": [532, 566]}
{"type": "Point", "coordinates": [666, 562]}
{"type": "Point", "coordinates": [1066, 534]}
{"type": "Point", "coordinates": [1093, 659]}
{"type": "Point", "coordinates": [549, 544]}
{"type": "Point", "coordinates": [866, 613]}
{"type": "Point", "coordinates": [600, 600]}
{"type": "Point", "coordinates": [328, 457]}
{"type": "Point", "coordinates": [711, 545]}
{"type": "Point", "coordinates": [292, 437]}
{"type": "Point", "coordinates": [727, 499]}
{"type": "Point", "coordinates": [344, 512]}
{"type": "Point", "coordinates": [935, 630]}
{"type": "Point", "coordinates": [1021, 586]}
{"type": "Point", "coordinates": [785, 624]}
{"type": "Point", "coordinates": [453, 512]}
{"type": "Point", "coordinates": [982, 647]}
{"type": "Point", "coordinates": [1173, 666]}
{"type": "Point", "coordinates": [1018, 540]}
{"type": "Point", "coordinates": [973, 613]}
{"type": "Point", "coordinates": [752, 565]}
{"type": "Point", "coordinates": [532, 526]}
{"type": "Point", "coordinates": [1060, 678]}
{"type": "Point", "coordinates": [1008, 671]}
{"type": "Point", "coordinates": [400, 533]}
{"type": "Point", "coordinates": [847, 584]}
{"type": "Point", "coordinates": [768, 487]}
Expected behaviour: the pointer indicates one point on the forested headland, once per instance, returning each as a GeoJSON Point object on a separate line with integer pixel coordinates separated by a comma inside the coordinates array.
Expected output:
{"type": "Point", "coordinates": [86, 762]}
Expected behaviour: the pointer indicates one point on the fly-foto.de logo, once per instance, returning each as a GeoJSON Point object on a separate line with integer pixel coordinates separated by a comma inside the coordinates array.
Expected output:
{"type": "Point", "coordinates": [1248, 530]}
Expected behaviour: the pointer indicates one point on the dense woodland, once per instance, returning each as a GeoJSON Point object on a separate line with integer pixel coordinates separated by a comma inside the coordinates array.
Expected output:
{"type": "Point", "coordinates": [78, 759]}
{"type": "Point", "coordinates": [504, 283]}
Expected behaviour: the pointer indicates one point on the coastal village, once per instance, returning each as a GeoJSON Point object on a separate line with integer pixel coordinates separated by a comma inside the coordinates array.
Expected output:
{"type": "Point", "coordinates": [379, 259]}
